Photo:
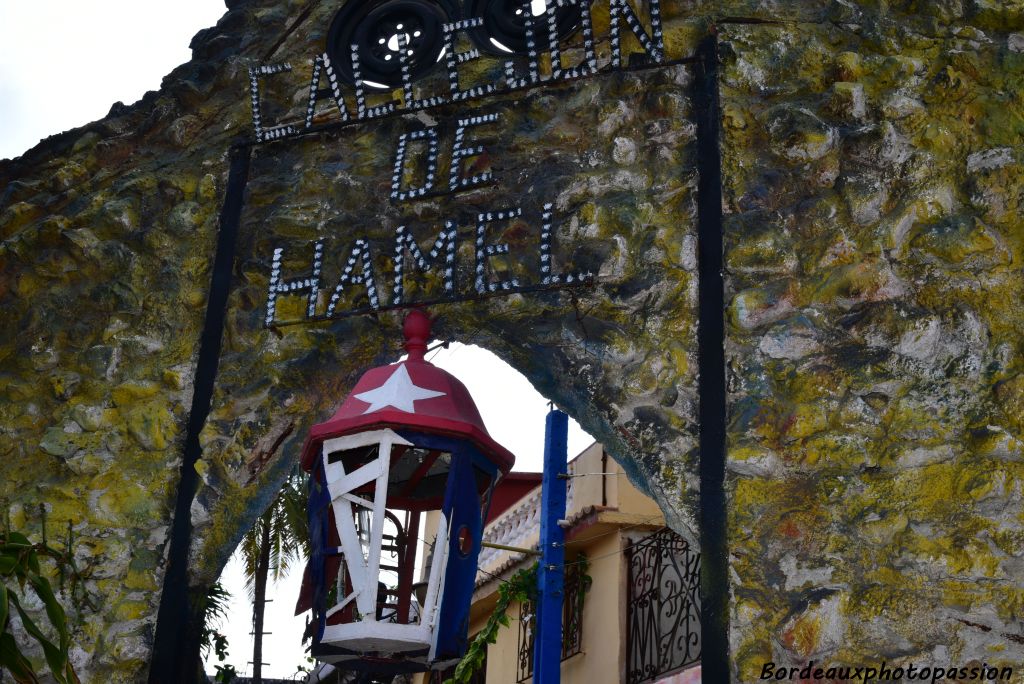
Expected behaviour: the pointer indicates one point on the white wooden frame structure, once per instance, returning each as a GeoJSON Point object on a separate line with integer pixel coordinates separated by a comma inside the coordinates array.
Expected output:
{"type": "Point", "coordinates": [367, 634]}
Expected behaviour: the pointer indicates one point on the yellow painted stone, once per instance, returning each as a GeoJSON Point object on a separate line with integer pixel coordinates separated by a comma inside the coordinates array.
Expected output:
{"type": "Point", "coordinates": [130, 392]}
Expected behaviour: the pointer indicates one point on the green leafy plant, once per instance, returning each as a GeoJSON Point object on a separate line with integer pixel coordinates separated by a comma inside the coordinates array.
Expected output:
{"type": "Point", "coordinates": [225, 674]}
{"type": "Point", "coordinates": [19, 563]}
{"type": "Point", "coordinates": [522, 586]}
{"type": "Point", "coordinates": [215, 609]}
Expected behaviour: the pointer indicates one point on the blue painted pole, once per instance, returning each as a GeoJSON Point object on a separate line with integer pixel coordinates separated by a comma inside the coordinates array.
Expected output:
{"type": "Point", "coordinates": [547, 645]}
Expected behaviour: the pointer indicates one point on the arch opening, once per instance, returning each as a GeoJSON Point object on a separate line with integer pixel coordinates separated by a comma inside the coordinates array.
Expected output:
{"type": "Point", "coordinates": [513, 411]}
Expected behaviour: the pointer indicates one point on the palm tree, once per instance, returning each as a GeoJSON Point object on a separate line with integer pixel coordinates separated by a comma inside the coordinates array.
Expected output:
{"type": "Point", "coordinates": [214, 606]}
{"type": "Point", "coordinates": [279, 538]}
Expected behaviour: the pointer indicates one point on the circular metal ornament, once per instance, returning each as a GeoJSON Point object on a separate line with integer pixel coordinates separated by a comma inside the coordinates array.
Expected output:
{"type": "Point", "coordinates": [504, 23]}
{"type": "Point", "coordinates": [376, 28]}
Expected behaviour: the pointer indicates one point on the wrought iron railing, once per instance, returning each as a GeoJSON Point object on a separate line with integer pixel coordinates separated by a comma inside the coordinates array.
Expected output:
{"type": "Point", "coordinates": [663, 621]}
{"type": "Point", "coordinates": [574, 589]}
{"type": "Point", "coordinates": [524, 660]}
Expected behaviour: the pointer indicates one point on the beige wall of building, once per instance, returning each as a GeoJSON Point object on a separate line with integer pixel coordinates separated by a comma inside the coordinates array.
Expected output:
{"type": "Point", "coordinates": [605, 512]}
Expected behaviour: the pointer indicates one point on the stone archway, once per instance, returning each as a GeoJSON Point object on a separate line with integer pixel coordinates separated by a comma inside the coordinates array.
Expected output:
{"type": "Point", "coordinates": [871, 174]}
{"type": "Point", "coordinates": [617, 347]}
{"type": "Point", "coordinates": [592, 349]}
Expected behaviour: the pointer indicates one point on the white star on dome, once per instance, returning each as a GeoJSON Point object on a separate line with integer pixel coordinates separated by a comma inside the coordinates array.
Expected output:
{"type": "Point", "coordinates": [399, 392]}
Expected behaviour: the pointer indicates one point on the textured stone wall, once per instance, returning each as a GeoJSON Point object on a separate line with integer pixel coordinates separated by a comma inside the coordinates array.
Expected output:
{"type": "Point", "coordinates": [107, 235]}
{"type": "Point", "coordinates": [874, 248]}
{"type": "Point", "coordinates": [872, 175]}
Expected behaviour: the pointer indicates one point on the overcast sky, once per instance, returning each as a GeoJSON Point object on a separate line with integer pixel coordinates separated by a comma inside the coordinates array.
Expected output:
{"type": "Point", "coordinates": [63, 63]}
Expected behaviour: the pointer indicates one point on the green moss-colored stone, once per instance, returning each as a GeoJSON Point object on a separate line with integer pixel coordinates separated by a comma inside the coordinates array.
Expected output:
{"type": "Point", "coordinates": [151, 424]}
{"type": "Point", "coordinates": [872, 194]}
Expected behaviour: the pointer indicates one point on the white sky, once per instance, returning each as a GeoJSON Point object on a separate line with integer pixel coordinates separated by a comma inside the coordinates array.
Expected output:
{"type": "Point", "coordinates": [63, 63]}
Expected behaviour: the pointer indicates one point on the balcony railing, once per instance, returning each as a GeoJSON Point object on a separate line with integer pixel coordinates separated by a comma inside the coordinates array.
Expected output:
{"type": "Point", "coordinates": [574, 589]}
{"type": "Point", "coordinates": [663, 619]}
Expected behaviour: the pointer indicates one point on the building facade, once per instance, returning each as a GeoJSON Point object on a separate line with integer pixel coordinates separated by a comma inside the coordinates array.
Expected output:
{"type": "Point", "coordinates": [630, 607]}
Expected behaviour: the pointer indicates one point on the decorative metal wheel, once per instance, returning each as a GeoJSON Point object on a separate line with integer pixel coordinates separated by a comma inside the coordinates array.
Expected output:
{"type": "Point", "coordinates": [378, 29]}
{"type": "Point", "coordinates": [504, 29]}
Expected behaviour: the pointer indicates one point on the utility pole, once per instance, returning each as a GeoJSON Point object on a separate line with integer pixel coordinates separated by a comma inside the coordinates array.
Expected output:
{"type": "Point", "coordinates": [260, 600]}
{"type": "Point", "coordinates": [547, 649]}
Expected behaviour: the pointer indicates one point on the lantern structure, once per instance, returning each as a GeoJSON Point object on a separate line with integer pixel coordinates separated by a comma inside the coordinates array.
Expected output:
{"type": "Point", "coordinates": [406, 441]}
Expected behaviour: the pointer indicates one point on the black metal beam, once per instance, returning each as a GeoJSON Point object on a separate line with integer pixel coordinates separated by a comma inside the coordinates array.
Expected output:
{"type": "Point", "coordinates": [711, 351]}
{"type": "Point", "coordinates": [176, 648]}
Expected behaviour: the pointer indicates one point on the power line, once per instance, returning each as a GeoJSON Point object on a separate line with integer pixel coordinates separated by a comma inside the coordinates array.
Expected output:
{"type": "Point", "coordinates": [569, 476]}
{"type": "Point", "coordinates": [437, 349]}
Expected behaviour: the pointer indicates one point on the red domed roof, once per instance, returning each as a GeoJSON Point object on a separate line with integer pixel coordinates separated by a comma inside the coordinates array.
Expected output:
{"type": "Point", "coordinates": [412, 394]}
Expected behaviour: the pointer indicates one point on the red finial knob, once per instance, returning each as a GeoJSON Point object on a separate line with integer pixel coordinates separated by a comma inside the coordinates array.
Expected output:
{"type": "Point", "coordinates": [417, 333]}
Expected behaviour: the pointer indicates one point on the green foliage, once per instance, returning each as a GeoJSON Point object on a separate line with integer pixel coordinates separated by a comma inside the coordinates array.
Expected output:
{"type": "Point", "coordinates": [279, 538]}
{"type": "Point", "coordinates": [215, 609]}
{"type": "Point", "coordinates": [520, 587]}
{"type": "Point", "coordinates": [289, 533]}
{"type": "Point", "coordinates": [20, 563]}
{"type": "Point", "coordinates": [220, 645]}
{"type": "Point", "coordinates": [225, 674]}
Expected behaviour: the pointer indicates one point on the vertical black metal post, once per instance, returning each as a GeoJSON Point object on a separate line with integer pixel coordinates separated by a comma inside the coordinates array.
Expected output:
{"type": "Point", "coordinates": [176, 647]}
{"type": "Point", "coordinates": [711, 350]}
